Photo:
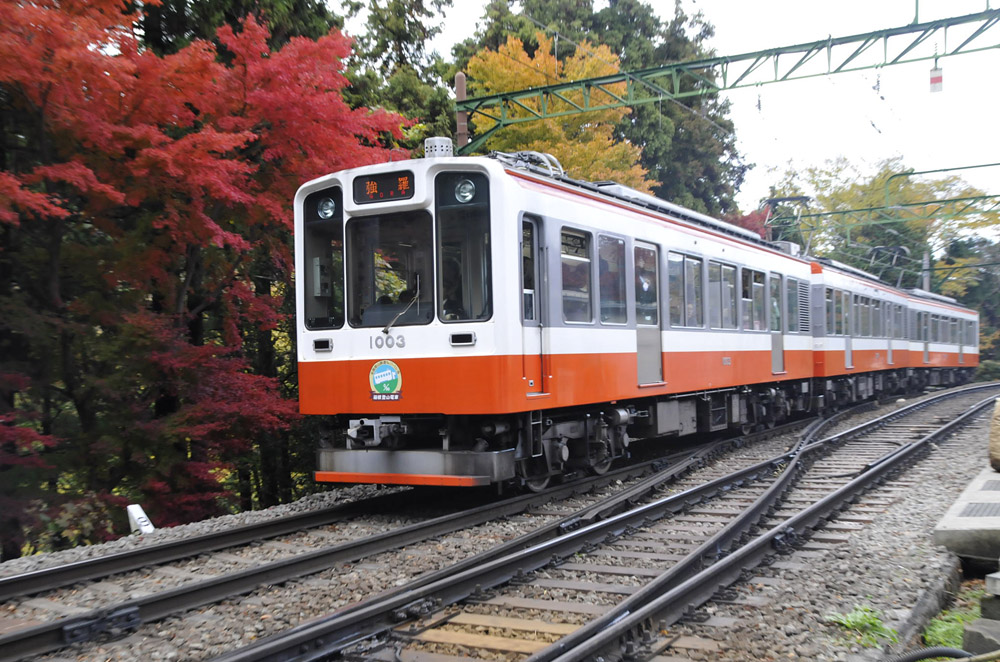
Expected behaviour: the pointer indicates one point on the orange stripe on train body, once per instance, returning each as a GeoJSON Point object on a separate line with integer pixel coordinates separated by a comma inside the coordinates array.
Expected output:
{"type": "Point", "coordinates": [496, 384]}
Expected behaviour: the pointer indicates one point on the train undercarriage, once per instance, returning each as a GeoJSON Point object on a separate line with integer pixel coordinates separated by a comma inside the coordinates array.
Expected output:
{"type": "Point", "coordinates": [532, 448]}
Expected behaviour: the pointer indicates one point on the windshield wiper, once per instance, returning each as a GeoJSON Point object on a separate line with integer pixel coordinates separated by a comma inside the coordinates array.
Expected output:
{"type": "Point", "coordinates": [416, 295]}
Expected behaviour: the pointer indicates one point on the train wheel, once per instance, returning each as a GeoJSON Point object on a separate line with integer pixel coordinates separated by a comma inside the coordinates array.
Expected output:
{"type": "Point", "coordinates": [537, 484]}
{"type": "Point", "coordinates": [601, 468]}
{"type": "Point", "coordinates": [600, 458]}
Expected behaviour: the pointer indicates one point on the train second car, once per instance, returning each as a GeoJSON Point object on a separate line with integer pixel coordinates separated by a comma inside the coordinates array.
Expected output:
{"type": "Point", "coordinates": [472, 321]}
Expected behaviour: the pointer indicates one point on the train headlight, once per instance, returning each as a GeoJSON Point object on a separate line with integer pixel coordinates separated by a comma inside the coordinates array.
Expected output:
{"type": "Point", "coordinates": [465, 190]}
{"type": "Point", "coordinates": [326, 208]}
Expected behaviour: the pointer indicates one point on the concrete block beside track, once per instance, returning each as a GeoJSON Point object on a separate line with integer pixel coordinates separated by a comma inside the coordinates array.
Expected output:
{"type": "Point", "coordinates": [971, 527]}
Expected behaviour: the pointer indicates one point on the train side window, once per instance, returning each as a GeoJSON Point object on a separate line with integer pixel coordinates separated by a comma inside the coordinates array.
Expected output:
{"type": "Point", "coordinates": [729, 305]}
{"type": "Point", "coordinates": [714, 295]}
{"type": "Point", "coordinates": [831, 326]}
{"type": "Point", "coordinates": [686, 290]}
{"type": "Point", "coordinates": [675, 288]}
{"type": "Point", "coordinates": [721, 296]}
{"type": "Point", "coordinates": [854, 326]}
{"type": "Point", "coordinates": [792, 304]}
{"type": "Point", "coordinates": [774, 293]}
{"type": "Point", "coordinates": [843, 313]}
{"type": "Point", "coordinates": [646, 286]}
{"type": "Point", "coordinates": [611, 279]}
{"type": "Point", "coordinates": [528, 271]}
{"type": "Point", "coordinates": [576, 276]}
{"type": "Point", "coordinates": [694, 306]}
{"type": "Point", "coordinates": [753, 295]}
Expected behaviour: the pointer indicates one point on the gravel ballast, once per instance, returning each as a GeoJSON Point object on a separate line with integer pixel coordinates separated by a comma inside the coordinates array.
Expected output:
{"type": "Point", "coordinates": [891, 565]}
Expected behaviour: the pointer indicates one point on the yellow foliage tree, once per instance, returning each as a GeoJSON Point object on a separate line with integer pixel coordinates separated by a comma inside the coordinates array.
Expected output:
{"type": "Point", "coordinates": [584, 143]}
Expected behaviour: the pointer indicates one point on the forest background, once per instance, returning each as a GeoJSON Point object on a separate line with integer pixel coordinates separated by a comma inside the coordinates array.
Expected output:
{"type": "Point", "coordinates": [149, 154]}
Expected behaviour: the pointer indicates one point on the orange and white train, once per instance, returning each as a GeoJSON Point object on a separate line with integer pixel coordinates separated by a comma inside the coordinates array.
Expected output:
{"type": "Point", "coordinates": [487, 320]}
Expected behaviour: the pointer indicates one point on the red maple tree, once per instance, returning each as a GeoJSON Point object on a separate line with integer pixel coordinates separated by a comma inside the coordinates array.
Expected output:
{"type": "Point", "coordinates": [140, 197]}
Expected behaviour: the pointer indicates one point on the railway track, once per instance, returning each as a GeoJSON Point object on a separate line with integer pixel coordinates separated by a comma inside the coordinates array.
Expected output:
{"type": "Point", "coordinates": [609, 587]}
{"type": "Point", "coordinates": [51, 608]}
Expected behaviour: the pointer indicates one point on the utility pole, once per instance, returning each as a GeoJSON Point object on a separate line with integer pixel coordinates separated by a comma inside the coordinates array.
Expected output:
{"type": "Point", "coordinates": [462, 116]}
{"type": "Point", "coordinates": [926, 284]}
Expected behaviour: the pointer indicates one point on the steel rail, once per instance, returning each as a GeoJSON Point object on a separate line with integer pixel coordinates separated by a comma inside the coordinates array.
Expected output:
{"type": "Point", "coordinates": [45, 579]}
{"type": "Point", "coordinates": [129, 615]}
{"type": "Point", "coordinates": [318, 640]}
{"type": "Point", "coordinates": [327, 636]}
{"type": "Point", "coordinates": [627, 627]}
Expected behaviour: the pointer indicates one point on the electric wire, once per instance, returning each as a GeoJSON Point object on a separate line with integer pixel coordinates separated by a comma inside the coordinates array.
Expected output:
{"type": "Point", "coordinates": [590, 53]}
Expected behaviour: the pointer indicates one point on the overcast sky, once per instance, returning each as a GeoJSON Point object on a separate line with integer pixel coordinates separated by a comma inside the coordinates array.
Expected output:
{"type": "Point", "coordinates": [866, 116]}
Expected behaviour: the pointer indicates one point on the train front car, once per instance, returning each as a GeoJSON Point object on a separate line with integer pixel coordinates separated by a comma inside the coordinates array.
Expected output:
{"type": "Point", "coordinates": [397, 332]}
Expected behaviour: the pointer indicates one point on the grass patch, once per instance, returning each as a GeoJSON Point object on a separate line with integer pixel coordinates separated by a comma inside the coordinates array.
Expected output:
{"type": "Point", "coordinates": [947, 628]}
{"type": "Point", "coordinates": [865, 625]}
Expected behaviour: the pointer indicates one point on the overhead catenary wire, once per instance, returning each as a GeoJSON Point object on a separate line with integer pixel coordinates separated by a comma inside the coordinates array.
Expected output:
{"type": "Point", "coordinates": [594, 55]}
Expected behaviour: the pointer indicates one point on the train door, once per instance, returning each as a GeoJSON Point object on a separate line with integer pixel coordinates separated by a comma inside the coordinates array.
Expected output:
{"type": "Point", "coordinates": [847, 312]}
{"type": "Point", "coordinates": [777, 325]}
{"type": "Point", "coordinates": [958, 335]}
{"type": "Point", "coordinates": [531, 308]}
{"type": "Point", "coordinates": [925, 333]}
{"type": "Point", "coordinates": [889, 329]}
{"type": "Point", "coordinates": [649, 350]}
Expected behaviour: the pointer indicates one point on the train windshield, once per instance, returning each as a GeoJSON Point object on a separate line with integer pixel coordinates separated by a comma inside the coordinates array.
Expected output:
{"type": "Point", "coordinates": [323, 230]}
{"type": "Point", "coordinates": [390, 270]}
{"type": "Point", "coordinates": [465, 291]}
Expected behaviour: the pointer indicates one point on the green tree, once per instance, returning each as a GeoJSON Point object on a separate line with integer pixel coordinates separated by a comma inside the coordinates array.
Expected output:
{"type": "Point", "coordinates": [688, 148]}
{"type": "Point", "coordinates": [888, 220]}
{"type": "Point", "coordinates": [567, 21]}
{"type": "Point", "coordinates": [393, 69]}
{"type": "Point", "coordinates": [398, 32]}
{"type": "Point", "coordinates": [170, 25]}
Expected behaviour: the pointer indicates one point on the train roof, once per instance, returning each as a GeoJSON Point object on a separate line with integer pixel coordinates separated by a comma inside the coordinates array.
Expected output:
{"type": "Point", "coordinates": [546, 165]}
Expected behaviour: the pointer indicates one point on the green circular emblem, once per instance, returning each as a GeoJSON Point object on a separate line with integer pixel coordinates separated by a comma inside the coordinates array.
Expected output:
{"type": "Point", "coordinates": [385, 378]}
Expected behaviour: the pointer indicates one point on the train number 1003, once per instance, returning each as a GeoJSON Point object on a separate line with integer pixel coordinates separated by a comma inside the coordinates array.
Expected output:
{"type": "Point", "coordinates": [387, 342]}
